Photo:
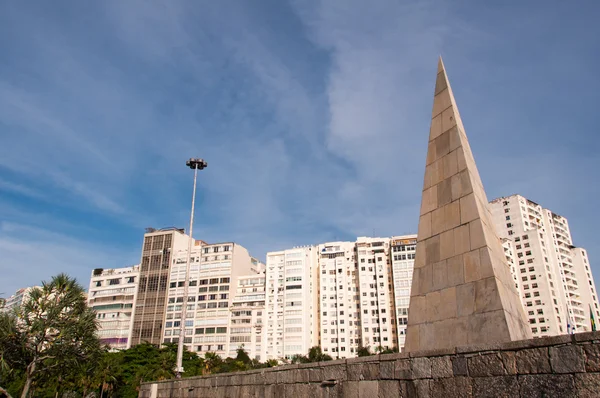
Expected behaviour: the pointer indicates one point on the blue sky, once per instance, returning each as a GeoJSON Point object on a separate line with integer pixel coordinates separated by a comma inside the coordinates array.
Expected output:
{"type": "Point", "coordinates": [313, 117]}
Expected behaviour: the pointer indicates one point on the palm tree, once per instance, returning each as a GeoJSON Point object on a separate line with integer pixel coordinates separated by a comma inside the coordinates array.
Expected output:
{"type": "Point", "coordinates": [211, 362]}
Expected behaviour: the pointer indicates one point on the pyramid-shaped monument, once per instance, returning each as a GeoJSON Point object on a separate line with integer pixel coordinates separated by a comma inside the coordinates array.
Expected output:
{"type": "Point", "coordinates": [462, 291]}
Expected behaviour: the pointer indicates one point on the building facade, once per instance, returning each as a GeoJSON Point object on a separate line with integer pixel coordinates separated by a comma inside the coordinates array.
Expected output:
{"type": "Point", "coordinates": [402, 255]}
{"type": "Point", "coordinates": [112, 294]}
{"type": "Point", "coordinates": [246, 316]}
{"type": "Point", "coordinates": [291, 302]}
{"type": "Point", "coordinates": [338, 299]}
{"type": "Point", "coordinates": [151, 301]}
{"type": "Point", "coordinates": [214, 273]}
{"type": "Point", "coordinates": [17, 299]}
{"type": "Point", "coordinates": [552, 275]}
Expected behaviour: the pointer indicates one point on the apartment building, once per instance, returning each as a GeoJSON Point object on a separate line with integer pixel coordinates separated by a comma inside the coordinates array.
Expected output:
{"type": "Point", "coordinates": [552, 275]}
{"type": "Point", "coordinates": [402, 255]}
{"type": "Point", "coordinates": [214, 273]}
{"type": "Point", "coordinates": [340, 331]}
{"type": "Point", "coordinates": [375, 278]}
{"type": "Point", "coordinates": [246, 316]}
{"type": "Point", "coordinates": [112, 294]}
{"type": "Point", "coordinates": [155, 265]}
{"type": "Point", "coordinates": [17, 299]}
{"type": "Point", "coordinates": [291, 302]}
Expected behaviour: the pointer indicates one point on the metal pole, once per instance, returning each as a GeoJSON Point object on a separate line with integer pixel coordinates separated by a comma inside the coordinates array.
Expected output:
{"type": "Point", "coordinates": [179, 369]}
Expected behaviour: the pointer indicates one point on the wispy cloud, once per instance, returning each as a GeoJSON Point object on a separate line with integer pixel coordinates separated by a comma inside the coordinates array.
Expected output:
{"type": "Point", "coordinates": [313, 117]}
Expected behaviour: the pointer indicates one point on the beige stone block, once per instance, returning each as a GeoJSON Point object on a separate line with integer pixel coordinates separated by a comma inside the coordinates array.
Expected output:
{"type": "Point", "coordinates": [461, 185]}
{"type": "Point", "coordinates": [429, 200]}
{"type": "Point", "coordinates": [425, 278]}
{"type": "Point", "coordinates": [436, 127]}
{"type": "Point", "coordinates": [424, 227]}
{"type": "Point", "coordinates": [441, 102]}
{"type": "Point", "coordinates": [426, 335]}
{"type": "Point", "coordinates": [444, 192]}
{"type": "Point", "coordinates": [448, 303]}
{"type": "Point", "coordinates": [487, 295]}
{"type": "Point", "coordinates": [437, 172]}
{"type": "Point", "coordinates": [468, 208]}
{"type": "Point", "coordinates": [433, 306]}
{"type": "Point", "coordinates": [465, 299]}
{"type": "Point", "coordinates": [415, 288]}
{"type": "Point", "coordinates": [455, 139]}
{"type": "Point", "coordinates": [452, 214]}
{"type": "Point", "coordinates": [431, 154]}
{"type": "Point", "coordinates": [440, 275]}
{"type": "Point", "coordinates": [427, 177]}
{"type": "Point", "coordinates": [460, 158]}
{"type": "Point", "coordinates": [417, 312]}
{"type": "Point", "coordinates": [471, 266]}
{"type": "Point", "coordinates": [440, 83]}
{"type": "Point", "coordinates": [477, 235]}
{"type": "Point", "coordinates": [438, 221]}
{"type": "Point", "coordinates": [442, 145]}
{"type": "Point", "coordinates": [448, 119]}
{"type": "Point", "coordinates": [412, 338]}
{"type": "Point", "coordinates": [462, 241]}
{"type": "Point", "coordinates": [447, 244]}
{"type": "Point", "coordinates": [450, 164]}
{"type": "Point", "coordinates": [486, 265]}
{"type": "Point", "coordinates": [420, 252]}
{"type": "Point", "coordinates": [490, 327]}
{"type": "Point", "coordinates": [456, 275]}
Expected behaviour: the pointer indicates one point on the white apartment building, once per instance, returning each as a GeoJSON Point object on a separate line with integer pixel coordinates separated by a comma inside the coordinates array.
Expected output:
{"type": "Point", "coordinates": [214, 272]}
{"type": "Point", "coordinates": [292, 309]}
{"type": "Point", "coordinates": [246, 316]}
{"type": "Point", "coordinates": [17, 299]}
{"type": "Point", "coordinates": [552, 275]}
{"type": "Point", "coordinates": [378, 318]}
{"type": "Point", "coordinates": [340, 331]}
{"type": "Point", "coordinates": [112, 294]}
{"type": "Point", "coordinates": [402, 254]}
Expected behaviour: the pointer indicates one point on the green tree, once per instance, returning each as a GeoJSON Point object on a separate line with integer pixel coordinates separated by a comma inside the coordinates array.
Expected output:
{"type": "Point", "coordinates": [56, 332]}
{"type": "Point", "coordinates": [315, 354]}
{"type": "Point", "coordinates": [363, 351]}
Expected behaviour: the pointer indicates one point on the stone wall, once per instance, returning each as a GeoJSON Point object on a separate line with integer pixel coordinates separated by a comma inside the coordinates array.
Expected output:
{"type": "Point", "coordinates": [560, 366]}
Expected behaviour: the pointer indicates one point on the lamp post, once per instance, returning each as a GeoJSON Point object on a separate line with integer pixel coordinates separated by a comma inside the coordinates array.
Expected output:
{"type": "Point", "coordinates": [194, 164]}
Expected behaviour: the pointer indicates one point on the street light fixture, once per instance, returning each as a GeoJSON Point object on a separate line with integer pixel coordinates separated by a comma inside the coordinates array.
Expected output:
{"type": "Point", "coordinates": [195, 164]}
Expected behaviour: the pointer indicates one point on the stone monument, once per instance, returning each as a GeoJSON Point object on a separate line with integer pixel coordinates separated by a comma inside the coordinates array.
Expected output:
{"type": "Point", "coordinates": [462, 292]}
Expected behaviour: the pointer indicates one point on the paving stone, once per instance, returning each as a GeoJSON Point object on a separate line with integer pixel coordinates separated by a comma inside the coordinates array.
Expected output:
{"type": "Point", "coordinates": [592, 357]}
{"type": "Point", "coordinates": [534, 360]}
{"type": "Point", "coordinates": [441, 367]}
{"type": "Point", "coordinates": [547, 386]}
{"type": "Point", "coordinates": [421, 368]}
{"type": "Point", "coordinates": [486, 365]}
{"type": "Point", "coordinates": [567, 359]}
{"type": "Point", "coordinates": [587, 385]}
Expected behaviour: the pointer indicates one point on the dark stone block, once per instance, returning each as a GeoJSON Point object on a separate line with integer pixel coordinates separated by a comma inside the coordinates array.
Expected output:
{"type": "Point", "coordinates": [587, 336]}
{"type": "Point", "coordinates": [567, 359]}
{"type": "Point", "coordinates": [368, 388]}
{"type": "Point", "coordinates": [533, 360]}
{"type": "Point", "coordinates": [315, 375]}
{"type": "Point", "coordinates": [386, 369]}
{"type": "Point", "coordinates": [486, 365]}
{"type": "Point", "coordinates": [335, 372]}
{"type": "Point", "coordinates": [441, 367]}
{"type": "Point", "coordinates": [587, 385]}
{"type": "Point", "coordinates": [418, 389]}
{"type": "Point", "coordinates": [403, 370]}
{"type": "Point", "coordinates": [500, 386]}
{"type": "Point", "coordinates": [350, 389]}
{"type": "Point", "coordinates": [592, 357]}
{"type": "Point", "coordinates": [509, 361]}
{"type": "Point", "coordinates": [421, 368]}
{"type": "Point", "coordinates": [363, 371]}
{"type": "Point", "coordinates": [455, 387]}
{"type": "Point", "coordinates": [459, 366]}
{"type": "Point", "coordinates": [390, 389]}
{"type": "Point", "coordinates": [547, 386]}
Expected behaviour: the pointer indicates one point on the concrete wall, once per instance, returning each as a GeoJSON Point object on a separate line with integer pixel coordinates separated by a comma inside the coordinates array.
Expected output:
{"type": "Point", "coordinates": [559, 366]}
